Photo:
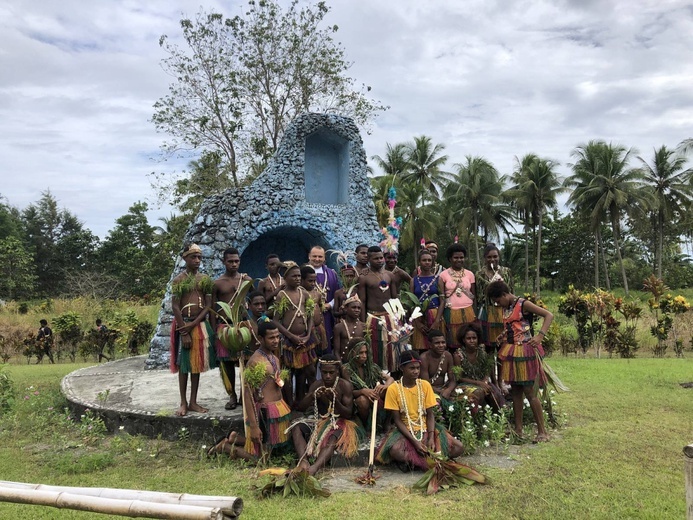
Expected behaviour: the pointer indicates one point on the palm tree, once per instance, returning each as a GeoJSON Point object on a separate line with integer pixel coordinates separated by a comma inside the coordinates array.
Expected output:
{"type": "Point", "coordinates": [522, 203]}
{"type": "Point", "coordinates": [671, 189]}
{"type": "Point", "coordinates": [476, 190]}
{"type": "Point", "coordinates": [395, 161]}
{"type": "Point", "coordinates": [537, 186]}
{"type": "Point", "coordinates": [604, 183]}
{"type": "Point", "coordinates": [424, 169]}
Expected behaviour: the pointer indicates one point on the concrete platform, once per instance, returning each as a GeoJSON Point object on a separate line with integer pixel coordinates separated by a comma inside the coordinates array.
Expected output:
{"type": "Point", "coordinates": [144, 402]}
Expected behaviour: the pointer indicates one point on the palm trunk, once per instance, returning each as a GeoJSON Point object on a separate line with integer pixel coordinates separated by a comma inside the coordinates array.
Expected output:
{"type": "Point", "coordinates": [538, 280]}
{"type": "Point", "coordinates": [660, 241]}
{"type": "Point", "coordinates": [606, 267]}
{"type": "Point", "coordinates": [596, 260]}
{"type": "Point", "coordinates": [614, 226]}
{"type": "Point", "coordinates": [476, 242]}
{"type": "Point", "coordinates": [526, 259]}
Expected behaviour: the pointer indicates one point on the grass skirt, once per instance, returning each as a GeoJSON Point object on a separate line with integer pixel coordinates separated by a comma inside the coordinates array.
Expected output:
{"type": "Point", "coordinates": [299, 357]}
{"type": "Point", "coordinates": [419, 341]}
{"type": "Point", "coordinates": [200, 357]}
{"type": "Point", "coordinates": [378, 327]}
{"type": "Point", "coordinates": [274, 419]}
{"type": "Point", "coordinates": [455, 319]}
{"type": "Point", "coordinates": [442, 438]}
{"type": "Point", "coordinates": [491, 324]}
{"type": "Point", "coordinates": [349, 435]}
{"type": "Point", "coordinates": [519, 364]}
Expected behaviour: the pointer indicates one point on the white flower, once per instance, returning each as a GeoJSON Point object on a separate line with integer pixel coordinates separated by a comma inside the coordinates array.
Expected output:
{"type": "Point", "coordinates": [485, 427]}
{"type": "Point", "coordinates": [451, 408]}
{"type": "Point", "coordinates": [458, 391]}
{"type": "Point", "coordinates": [183, 429]}
{"type": "Point", "coordinates": [121, 428]}
{"type": "Point", "coordinates": [553, 392]}
{"type": "Point", "coordinates": [526, 402]}
{"type": "Point", "coordinates": [139, 450]}
{"type": "Point", "coordinates": [204, 447]}
{"type": "Point", "coordinates": [466, 398]}
{"type": "Point", "coordinates": [487, 444]}
{"type": "Point", "coordinates": [487, 407]}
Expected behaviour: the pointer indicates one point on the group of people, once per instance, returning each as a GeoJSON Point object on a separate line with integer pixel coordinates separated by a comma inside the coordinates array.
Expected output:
{"type": "Point", "coordinates": [326, 344]}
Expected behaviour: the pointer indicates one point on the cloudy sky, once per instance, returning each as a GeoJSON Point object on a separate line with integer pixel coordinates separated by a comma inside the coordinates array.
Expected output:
{"type": "Point", "coordinates": [492, 78]}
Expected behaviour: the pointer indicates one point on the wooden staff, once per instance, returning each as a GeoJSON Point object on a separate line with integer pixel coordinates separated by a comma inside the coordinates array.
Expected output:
{"type": "Point", "coordinates": [372, 450]}
{"type": "Point", "coordinates": [230, 506]}
{"type": "Point", "coordinates": [688, 470]}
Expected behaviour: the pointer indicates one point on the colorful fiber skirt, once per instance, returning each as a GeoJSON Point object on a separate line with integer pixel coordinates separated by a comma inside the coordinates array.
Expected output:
{"type": "Point", "coordinates": [200, 357]}
{"type": "Point", "coordinates": [520, 365]}
{"type": "Point", "coordinates": [378, 327]}
{"type": "Point", "coordinates": [419, 341]}
{"type": "Point", "coordinates": [274, 419]}
{"type": "Point", "coordinates": [347, 444]}
{"type": "Point", "coordinates": [491, 324]}
{"type": "Point", "coordinates": [295, 356]}
{"type": "Point", "coordinates": [455, 319]}
{"type": "Point", "coordinates": [442, 439]}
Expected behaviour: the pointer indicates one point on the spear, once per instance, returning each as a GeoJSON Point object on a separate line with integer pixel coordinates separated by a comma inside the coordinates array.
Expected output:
{"type": "Point", "coordinates": [368, 478]}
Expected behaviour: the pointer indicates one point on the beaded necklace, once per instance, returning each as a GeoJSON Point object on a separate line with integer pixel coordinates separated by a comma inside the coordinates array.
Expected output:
{"type": "Point", "coordinates": [421, 423]}
{"type": "Point", "coordinates": [440, 369]}
{"type": "Point", "coordinates": [426, 287]}
{"type": "Point", "coordinates": [330, 409]}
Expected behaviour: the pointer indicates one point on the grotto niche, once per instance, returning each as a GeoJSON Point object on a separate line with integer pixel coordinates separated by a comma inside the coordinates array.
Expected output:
{"type": "Point", "coordinates": [314, 191]}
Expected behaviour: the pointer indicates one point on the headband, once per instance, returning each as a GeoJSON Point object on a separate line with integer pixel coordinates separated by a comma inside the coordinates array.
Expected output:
{"type": "Point", "coordinates": [193, 249]}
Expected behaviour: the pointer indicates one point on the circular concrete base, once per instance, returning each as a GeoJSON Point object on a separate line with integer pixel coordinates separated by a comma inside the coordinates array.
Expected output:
{"type": "Point", "coordinates": [144, 402]}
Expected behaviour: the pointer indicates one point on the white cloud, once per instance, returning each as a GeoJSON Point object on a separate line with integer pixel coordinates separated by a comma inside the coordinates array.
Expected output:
{"type": "Point", "coordinates": [498, 79]}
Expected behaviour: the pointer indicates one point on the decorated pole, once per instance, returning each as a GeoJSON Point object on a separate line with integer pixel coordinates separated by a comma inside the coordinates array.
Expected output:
{"type": "Point", "coordinates": [688, 471]}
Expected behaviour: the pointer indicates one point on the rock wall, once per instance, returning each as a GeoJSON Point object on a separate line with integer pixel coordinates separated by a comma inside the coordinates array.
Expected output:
{"type": "Point", "coordinates": [323, 152]}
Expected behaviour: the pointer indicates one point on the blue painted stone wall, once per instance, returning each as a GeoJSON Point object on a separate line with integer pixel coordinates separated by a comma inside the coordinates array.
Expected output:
{"type": "Point", "coordinates": [315, 193]}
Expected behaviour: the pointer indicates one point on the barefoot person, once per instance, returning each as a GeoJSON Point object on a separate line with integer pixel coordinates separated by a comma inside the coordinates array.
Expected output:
{"type": "Point", "coordinates": [399, 275]}
{"type": "Point", "coordinates": [477, 380]}
{"type": "Point", "coordinates": [368, 379]}
{"type": "Point", "coordinates": [425, 288]}
{"type": "Point", "coordinates": [348, 277]}
{"type": "Point", "coordinates": [327, 282]}
{"type": "Point", "coordinates": [293, 315]}
{"type": "Point", "coordinates": [375, 289]}
{"type": "Point", "coordinates": [520, 352]}
{"type": "Point", "coordinates": [225, 290]}
{"type": "Point", "coordinates": [436, 366]}
{"type": "Point", "coordinates": [457, 289]}
{"type": "Point", "coordinates": [411, 401]}
{"type": "Point", "coordinates": [191, 347]}
{"type": "Point", "coordinates": [309, 283]}
{"type": "Point", "coordinates": [331, 429]}
{"type": "Point", "coordinates": [350, 327]}
{"type": "Point", "coordinates": [266, 412]}
{"type": "Point", "coordinates": [361, 259]}
{"type": "Point", "coordinates": [273, 282]}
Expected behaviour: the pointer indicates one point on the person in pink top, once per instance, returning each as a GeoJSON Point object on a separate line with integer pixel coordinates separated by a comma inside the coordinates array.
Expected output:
{"type": "Point", "coordinates": [457, 290]}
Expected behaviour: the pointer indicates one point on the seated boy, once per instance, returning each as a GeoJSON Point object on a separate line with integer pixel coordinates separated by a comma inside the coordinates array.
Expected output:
{"type": "Point", "coordinates": [411, 401]}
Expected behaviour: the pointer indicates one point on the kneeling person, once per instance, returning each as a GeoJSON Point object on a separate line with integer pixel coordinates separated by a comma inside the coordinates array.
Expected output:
{"type": "Point", "coordinates": [268, 415]}
{"type": "Point", "coordinates": [411, 401]}
{"type": "Point", "coordinates": [331, 429]}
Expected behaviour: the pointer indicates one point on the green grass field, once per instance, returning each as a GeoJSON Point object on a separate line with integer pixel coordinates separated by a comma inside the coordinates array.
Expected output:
{"type": "Point", "coordinates": [618, 457]}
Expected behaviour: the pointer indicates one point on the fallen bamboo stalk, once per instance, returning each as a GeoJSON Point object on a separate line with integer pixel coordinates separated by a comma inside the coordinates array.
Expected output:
{"type": "Point", "coordinates": [230, 506]}
{"type": "Point", "coordinates": [112, 506]}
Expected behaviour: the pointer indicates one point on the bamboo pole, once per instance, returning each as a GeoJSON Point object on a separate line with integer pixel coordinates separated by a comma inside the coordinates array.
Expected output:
{"type": "Point", "coordinates": [112, 506]}
{"type": "Point", "coordinates": [688, 470]}
{"type": "Point", "coordinates": [230, 506]}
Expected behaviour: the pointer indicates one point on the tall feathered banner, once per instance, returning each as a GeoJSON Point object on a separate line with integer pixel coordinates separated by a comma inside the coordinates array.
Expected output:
{"type": "Point", "coordinates": [389, 235]}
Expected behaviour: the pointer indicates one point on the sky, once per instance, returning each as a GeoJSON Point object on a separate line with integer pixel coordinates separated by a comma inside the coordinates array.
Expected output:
{"type": "Point", "coordinates": [491, 78]}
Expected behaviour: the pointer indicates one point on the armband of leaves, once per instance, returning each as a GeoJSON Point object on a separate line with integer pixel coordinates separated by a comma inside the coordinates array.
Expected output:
{"type": "Point", "coordinates": [255, 375]}
{"type": "Point", "coordinates": [310, 306]}
{"type": "Point", "coordinates": [183, 287]}
{"type": "Point", "coordinates": [206, 284]}
{"type": "Point", "coordinates": [280, 306]}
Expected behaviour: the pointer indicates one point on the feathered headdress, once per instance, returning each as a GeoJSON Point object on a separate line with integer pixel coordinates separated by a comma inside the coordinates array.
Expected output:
{"type": "Point", "coordinates": [389, 235]}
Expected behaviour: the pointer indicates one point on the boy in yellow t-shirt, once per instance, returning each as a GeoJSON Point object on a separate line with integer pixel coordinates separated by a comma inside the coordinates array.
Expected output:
{"type": "Point", "coordinates": [411, 401]}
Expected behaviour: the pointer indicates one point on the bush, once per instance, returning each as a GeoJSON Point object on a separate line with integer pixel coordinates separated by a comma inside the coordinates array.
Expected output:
{"type": "Point", "coordinates": [7, 391]}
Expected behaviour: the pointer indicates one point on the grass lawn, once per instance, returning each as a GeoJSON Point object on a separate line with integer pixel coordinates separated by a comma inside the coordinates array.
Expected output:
{"type": "Point", "coordinates": [618, 457]}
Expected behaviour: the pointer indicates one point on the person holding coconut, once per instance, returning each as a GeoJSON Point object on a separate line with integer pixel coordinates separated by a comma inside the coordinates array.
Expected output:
{"type": "Point", "coordinates": [267, 414]}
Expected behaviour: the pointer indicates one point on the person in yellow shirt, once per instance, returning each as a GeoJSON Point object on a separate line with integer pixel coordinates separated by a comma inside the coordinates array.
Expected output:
{"type": "Point", "coordinates": [411, 402]}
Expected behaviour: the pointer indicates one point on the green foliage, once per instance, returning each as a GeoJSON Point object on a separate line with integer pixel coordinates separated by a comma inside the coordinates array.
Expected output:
{"type": "Point", "coordinates": [254, 376]}
{"type": "Point", "coordinates": [232, 69]}
{"type": "Point", "coordinates": [17, 276]}
{"type": "Point", "coordinates": [70, 334]}
{"type": "Point", "coordinates": [7, 391]}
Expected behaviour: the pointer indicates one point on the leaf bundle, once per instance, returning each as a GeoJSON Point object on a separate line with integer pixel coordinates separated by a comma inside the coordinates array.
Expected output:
{"type": "Point", "coordinates": [298, 483]}
{"type": "Point", "coordinates": [444, 473]}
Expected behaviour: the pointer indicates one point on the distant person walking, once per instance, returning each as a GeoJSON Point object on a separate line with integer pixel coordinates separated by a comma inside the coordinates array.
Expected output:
{"type": "Point", "coordinates": [45, 342]}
